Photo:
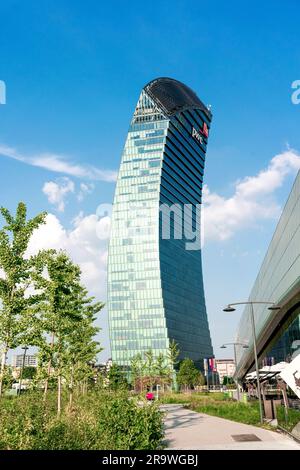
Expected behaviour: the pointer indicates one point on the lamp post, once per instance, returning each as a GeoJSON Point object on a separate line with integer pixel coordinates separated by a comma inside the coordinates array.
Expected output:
{"type": "Point", "coordinates": [273, 306]}
{"type": "Point", "coordinates": [23, 365]}
{"type": "Point", "coordinates": [245, 346]}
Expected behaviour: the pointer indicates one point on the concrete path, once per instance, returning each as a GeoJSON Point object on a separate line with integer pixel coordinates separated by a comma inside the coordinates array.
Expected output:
{"type": "Point", "coordinates": [187, 429]}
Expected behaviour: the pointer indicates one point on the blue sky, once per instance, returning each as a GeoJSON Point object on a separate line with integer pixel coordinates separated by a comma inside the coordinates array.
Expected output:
{"type": "Point", "coordinates": [73, 72]}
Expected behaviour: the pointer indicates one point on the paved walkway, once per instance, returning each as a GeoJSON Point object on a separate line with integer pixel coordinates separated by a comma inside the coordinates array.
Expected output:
{"type": "Point", "coordinates": [187, 429]}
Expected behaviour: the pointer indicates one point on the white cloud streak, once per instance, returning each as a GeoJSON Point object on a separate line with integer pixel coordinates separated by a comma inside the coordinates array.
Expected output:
{"type": "Point", "coordinates": [60, 164]}
{"type": "Point", "coordinates": [252, 201]}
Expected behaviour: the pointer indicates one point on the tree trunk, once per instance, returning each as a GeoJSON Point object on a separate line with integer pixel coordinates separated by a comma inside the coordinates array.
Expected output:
{"type": "Point", "coordinates": [71, 388]}
{"type": "Point", "coordinates": [59, 394]}
{"type": "Point", "coordinates": [84, 387]}
{"type": "Point", "coordinates": [59, 370]}
{"type": "Point", "coordinates": [3, 363]}
{"type": "Point", "coordinates": [48, 370]}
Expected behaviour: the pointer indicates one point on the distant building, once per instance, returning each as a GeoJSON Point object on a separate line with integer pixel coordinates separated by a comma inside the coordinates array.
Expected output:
{"type": "Point", "coordinates": [225, 368]}
{"type": "Point", "coordinates": [104, 367]}
{"type": "Point", "coordinates": [30, 360]}
{"type": "Point", "coordinates": [108, 364]}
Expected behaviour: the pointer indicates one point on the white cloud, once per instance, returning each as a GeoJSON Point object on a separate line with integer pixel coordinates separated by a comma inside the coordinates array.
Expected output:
{"type": "Point", "coordinates": [85, 189]}
{"type": "Point", "coordinates": [59, 164]}
{"type": "Point", "coordinates": [81, 243]}
{"type": "Point", "coordinates": [252, 201]}
{"type": "Point", "coordinates": [56, 192]}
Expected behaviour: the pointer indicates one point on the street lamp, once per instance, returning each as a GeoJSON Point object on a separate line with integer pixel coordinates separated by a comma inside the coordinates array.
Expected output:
{"type": "Point", "coordinates": [272, 306]}
{"type": "Point", "coordinates": [23, 366]}
{"type": "Point", "coordinates": [245, 346]}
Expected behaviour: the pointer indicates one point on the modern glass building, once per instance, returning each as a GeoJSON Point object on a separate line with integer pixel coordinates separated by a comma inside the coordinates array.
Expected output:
{"type": "Point", "coordinates": [155, 286]}
{"type": "Point", "coordinates": [278, 332]}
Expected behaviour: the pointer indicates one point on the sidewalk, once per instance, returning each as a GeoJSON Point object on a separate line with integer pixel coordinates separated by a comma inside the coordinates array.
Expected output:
{"type": "Point", "coordinates": [187, 429]}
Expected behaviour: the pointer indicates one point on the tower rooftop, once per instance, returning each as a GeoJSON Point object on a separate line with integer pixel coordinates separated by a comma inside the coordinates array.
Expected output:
{"type": "Point", "coordinates": [173, 96]}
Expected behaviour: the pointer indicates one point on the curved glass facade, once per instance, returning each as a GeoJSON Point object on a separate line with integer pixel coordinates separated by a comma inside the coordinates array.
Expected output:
{"type": "Point", "coordinates": [278, 332]}
{"type": "Point", "coordinates": [155, 287]}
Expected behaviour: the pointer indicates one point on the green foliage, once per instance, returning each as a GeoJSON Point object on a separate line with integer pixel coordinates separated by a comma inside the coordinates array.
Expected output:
{"type": "Point", "coordinates": [241, 412]}
{"type": "Point", "coordinates": [8, 378]}
{"type": "Point", "coordinates": [58, 278]}
{"type": "Point", "coordinates": [194, 399]}
{"type": "Point", "coordinates": [67, 316]}
{"type": "Point", "coordinates": [173, 354]}
{"type": "Point", "coordinates": [175, 398]}
{"type": "Point", "coordinates": [22, 422]}
{"type": "Point", "coordinates": [41, 297]}
{"type": "Point", "coordinates": [116, 378]}
{"type": "Point", "coordinates": [228, 380]}
{"type": "Point", "coordinates": [148, 370]}
{"type": "Point", "coordinates": [29, 372]}
{"type": "Point", "coordinates": [150, 367]}
{"type": "Point", "coordinates": [189, 376]}
{"type": "Point", "coordinates": [15, 310]}
{"type": "Point", "coordinates": [81, 348]}
{"type": "Point", "coordinates": [97, 421]}
{"type": "Point", "coordinates": [130, 426]}
{"type": "Point", "coordinates": [287, 419]}
{"type": "Point", "coordinates": [137, 367]}
{"type": "Point", "coordinates": [162, 369]}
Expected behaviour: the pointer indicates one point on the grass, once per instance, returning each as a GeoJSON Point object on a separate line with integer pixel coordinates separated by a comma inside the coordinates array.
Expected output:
{"type": "Point", "coordinates": [218, 404]}
{"type": "Point", "coordinates": [240, 412]}
{"type": "Point", "coordinates": [288, 421]}
{"type": "Point", "coordinates": [194, 398]}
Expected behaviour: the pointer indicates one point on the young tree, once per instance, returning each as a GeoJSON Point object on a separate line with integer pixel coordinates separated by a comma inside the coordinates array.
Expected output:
{"type": "Point", "coordinates": [81, 348]}
{"type": "Point", "coordinates": [189, 376]}
{"type": "Point", "coordinates": [60, 312]}
{"type": "Point", "coordinates": [162, 370]}
{"type": "Point", "coordinates": [116, 378]}
{"type": "Point", "coordinates": [136, 371]}
{"type": "Point", "coordinates": [172, 355]}
{"type": "Point", "coordinates": [201, 379]}
{"type": "Point", "coordinates": [15, 278]}
{"type": "Point", "coordinates": [150, 367]}
{"type": "Point", "coordinates": [8, 378]}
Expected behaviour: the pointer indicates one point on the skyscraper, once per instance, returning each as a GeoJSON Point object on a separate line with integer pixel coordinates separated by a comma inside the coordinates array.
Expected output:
{"type": "Point", "coordinates": [155, 286]}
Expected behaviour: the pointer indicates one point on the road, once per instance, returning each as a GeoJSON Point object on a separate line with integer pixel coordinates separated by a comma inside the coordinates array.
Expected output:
{"type": "Point", "coordinates": [187, 429]}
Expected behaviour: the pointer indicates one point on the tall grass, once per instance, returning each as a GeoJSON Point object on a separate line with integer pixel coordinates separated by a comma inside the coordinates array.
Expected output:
{"type": "Point", "coordinates": [240, 412]}
{"type": "Point", "coordinates": [287, 419]}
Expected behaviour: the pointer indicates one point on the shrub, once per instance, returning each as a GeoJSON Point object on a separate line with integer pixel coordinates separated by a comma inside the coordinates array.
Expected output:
{"type": "Point", "coordinates": [105, 421]}
{"type": "Point", "coordinates": [131, 426]}
{"type": "Point", "coordinates": [21, 425]}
